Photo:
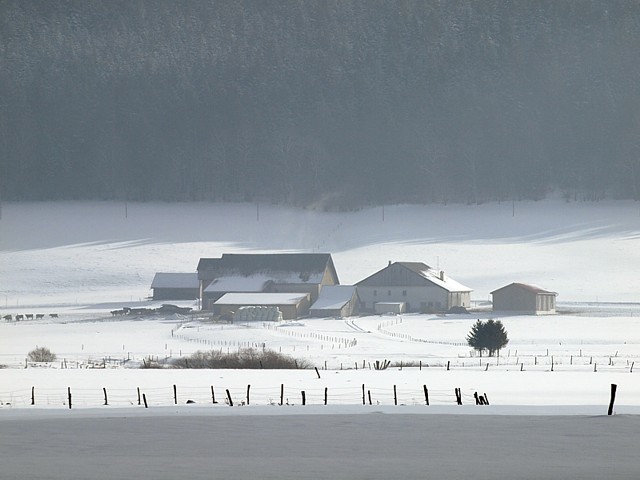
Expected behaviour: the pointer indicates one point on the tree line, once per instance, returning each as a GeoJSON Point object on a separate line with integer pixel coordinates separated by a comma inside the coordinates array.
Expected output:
{"type": "Point", "coordinates": [336, 102]}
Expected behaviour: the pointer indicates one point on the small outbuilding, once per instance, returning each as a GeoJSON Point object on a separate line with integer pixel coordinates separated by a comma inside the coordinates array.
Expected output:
{"type": "Point", "coordinates": [292, 305]}
{"type": "Point", "coordinates": [335, 301]}
{"type": "Point", "coordinates": [175, 286]}
{"type": "Point", "coordinates": [390, 307]}
{"type": "Point", "coordinates": [524, 298]}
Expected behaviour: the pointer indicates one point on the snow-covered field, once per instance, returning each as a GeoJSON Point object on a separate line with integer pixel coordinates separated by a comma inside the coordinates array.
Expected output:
{"type": "Point", "coordinates": [82, 260]}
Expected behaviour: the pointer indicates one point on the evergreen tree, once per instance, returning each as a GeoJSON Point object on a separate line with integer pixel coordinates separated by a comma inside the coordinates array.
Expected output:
{"type": "Point", "coordinates": [490, 335]}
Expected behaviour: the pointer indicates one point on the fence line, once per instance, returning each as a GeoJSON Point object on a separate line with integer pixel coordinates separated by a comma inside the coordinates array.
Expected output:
{"type": "Point", "coordinates": [260, 395]}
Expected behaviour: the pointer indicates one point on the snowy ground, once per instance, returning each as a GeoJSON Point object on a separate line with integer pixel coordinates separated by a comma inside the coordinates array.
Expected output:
{"type": "Point", "coordinates": [548, 390]}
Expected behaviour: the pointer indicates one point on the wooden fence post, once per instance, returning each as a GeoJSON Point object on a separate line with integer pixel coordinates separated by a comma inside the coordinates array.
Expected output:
{"type": "Point", "coordinates": [69, 394]}
{"type": "Point", "coordinates": [426, 394]}
{"type": "Point", "coordinates": [213, 395]}
{"type": "Point", "coordinates": [248, 388]}
{"type": "Point", "coordinates": [326, 391]}
{"type": "Point", "coordinates": [138, 395]}
{"type": "Point", "coordinates": [304, 400]}
{"type": "Point", "coordinates": [448, 362]}
{"type": "Point", "coordinates": [33, 394]}
{"type": "Point", "coordinates": [395, 396]}
{"type": "Point", "coordinates": [106, 401]}
{"type": "Point", "coordinates": [614, 387]}
{"type": "Point", "coordinates": [317, 372]}
{"type": "Point", "coordinates": [486, 399]}
{"type": "Point", "coordinates": [229, 398]}
{"type": "Point", "coordinates": [363, 399]}
{"type": "Point", "coordinates": [175, 395]}
{"type": "Point", "coordinates": [144, 399]}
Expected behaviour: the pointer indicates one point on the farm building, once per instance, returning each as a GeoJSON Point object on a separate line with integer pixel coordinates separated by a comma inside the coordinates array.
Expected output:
{"type": "Point", "coordinates": [335, 301]}
{"type": "Point", "coordinates": [524, 298]}
{"type": "Point", "coordinates": [265, 273]}
{"type": "Point", "coordinates": [292, 305]}
{"type": "Point", "coordinates": [175, 286]}
{"type": "Point", "coordinates": [418, 286]}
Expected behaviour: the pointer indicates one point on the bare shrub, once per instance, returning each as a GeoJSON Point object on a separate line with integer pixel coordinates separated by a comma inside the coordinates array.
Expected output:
{"type": "Point", "coordinates": [41, 354]}
{"type": "Point", "coordinates": [246, 358]}
{"type": "Point", "coordinates": [150, 362]}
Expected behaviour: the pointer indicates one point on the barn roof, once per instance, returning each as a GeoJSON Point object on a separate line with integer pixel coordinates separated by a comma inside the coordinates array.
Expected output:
{"type": "Point", "coordinates": [528, 287]}
{"type": "Point", "coordinates": [279, 267]}
{"type": "Point", "coordinates": [333, 297]}
{"type": "Point", "coordinates": [427, 274]}
{"type": "Point", "coordinates": [239, 283]}
{"type": "Point", "coordinates": [175, 280]}
{"type": "Point", "coordinates": [261, 299]}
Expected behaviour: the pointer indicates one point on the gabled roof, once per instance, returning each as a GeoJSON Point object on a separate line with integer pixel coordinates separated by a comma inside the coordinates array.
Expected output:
{"type": "Point", "coordinates": [528, 287]}
{"type": "Point", "coordinates": [238, 283]}
{"type": "Point", "coordinates": [175, 280]}
{"type": "Point", "coordinates": [334, 297]}
{"type": "Point", "coordinates": [424, 273]}
{"type": "Point", "coordinates": [279, 267]}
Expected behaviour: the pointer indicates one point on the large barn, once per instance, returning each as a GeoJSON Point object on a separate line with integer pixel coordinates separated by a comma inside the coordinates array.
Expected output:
{"type": "Point", "coordinates": [303, 273]}
{"type": "Point", "coordinates": [418, 286]}
{"type": "Point", "coordinates": [524, 298]}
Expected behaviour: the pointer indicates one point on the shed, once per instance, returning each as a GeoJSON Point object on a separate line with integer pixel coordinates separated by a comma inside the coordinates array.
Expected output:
{"type": "Point", "coordinates": [389, 307]}
{"type": "Point", "coordinates": [175, 286]}
{"type": "Point", "coordinates": [292, 305]}
{"type": "Point", "coordinates": [335, 301]}
{"type": "Point", "coordinates": [524, 298]}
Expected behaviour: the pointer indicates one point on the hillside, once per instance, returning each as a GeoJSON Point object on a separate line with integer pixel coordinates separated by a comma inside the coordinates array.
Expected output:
{"type": "Point", "coordinates": [346, 103]}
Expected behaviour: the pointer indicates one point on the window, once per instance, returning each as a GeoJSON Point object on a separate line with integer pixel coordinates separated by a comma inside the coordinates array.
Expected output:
{"type": "Point", "coordinates": [404, 293]}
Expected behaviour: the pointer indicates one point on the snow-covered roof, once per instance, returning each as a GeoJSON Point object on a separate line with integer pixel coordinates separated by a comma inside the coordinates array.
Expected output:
{"type": "Point", "coordinates": [281, 268]}
{"type": "Point", "coordinates": [528, 287]}
{"type": "Point", "coordinates": [261, 299]}
{"type": "Point", "coordinates": [239, 283]}
{"type": "Point", "coordinates": [389, 276]}
{"type": "Point", "coordinates": [175, 280]}
{"type": "Point", "coordinates": [334, 297]}
{"type": "Point", "coordinates": [441, 280]}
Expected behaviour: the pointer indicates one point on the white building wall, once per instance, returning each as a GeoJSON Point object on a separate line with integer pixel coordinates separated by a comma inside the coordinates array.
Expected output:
{"type": "Point", "coordinates": [415, 298]}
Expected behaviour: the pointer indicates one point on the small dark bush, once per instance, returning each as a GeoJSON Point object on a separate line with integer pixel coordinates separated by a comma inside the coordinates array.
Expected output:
{"type": "Point", "coordinates": [247, 358]}
{"type": "Point", "coordinates": [41, 354]}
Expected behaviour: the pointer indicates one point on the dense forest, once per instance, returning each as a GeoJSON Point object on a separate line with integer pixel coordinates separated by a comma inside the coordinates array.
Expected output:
{"type": "Point", "coordinates": [339, 103]}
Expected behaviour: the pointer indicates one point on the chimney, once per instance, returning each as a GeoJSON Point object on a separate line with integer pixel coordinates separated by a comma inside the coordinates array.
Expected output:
{"type": "Point", "coordinates": [442, 275]}
{"type": "Point", "coordinates": [389, 263]}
